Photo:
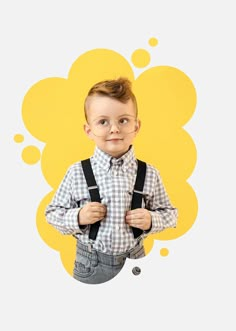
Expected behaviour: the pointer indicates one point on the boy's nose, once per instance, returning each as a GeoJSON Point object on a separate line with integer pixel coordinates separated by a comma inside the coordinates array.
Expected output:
{"type": "Point", "coordinates": [114, 128]}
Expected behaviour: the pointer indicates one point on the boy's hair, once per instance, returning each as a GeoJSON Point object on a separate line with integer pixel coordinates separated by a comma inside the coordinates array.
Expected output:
{"type": "Point", "coordinates": [119, 89]}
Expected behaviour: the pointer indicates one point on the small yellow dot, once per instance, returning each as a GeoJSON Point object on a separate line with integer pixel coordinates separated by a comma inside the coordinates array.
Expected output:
{"type": "Point", "coordinates": [140, 58]}
{"type": "Point", "coordinates": [164, 251]}
{"type": "Point", "coordinates": [153, 42]}
{"type": "Point", "coordinates": [31, 154]}
{"type": "Point", "coordinates": [18, 138]}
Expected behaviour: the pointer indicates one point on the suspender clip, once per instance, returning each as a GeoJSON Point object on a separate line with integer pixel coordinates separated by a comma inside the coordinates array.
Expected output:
{"type": "Point", "coordinates": [139, 192]}
{"type": "Point", "coordinates": [92, 187]}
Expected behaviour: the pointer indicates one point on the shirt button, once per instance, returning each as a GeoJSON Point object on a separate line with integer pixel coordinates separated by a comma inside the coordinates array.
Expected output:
{"type": "Point", "coordinates": [117, 227]}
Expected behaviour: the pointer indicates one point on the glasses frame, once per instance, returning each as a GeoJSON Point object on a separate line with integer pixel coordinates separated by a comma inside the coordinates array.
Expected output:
{"type": "Point", "coordinates": [117, 125]}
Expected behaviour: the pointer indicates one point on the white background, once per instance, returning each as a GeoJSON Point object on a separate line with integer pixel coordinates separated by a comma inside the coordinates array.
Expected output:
{"type": "Point", "coordinates": [194, 287]}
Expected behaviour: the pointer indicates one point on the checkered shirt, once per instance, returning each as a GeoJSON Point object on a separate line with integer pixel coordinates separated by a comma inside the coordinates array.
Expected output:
{"type": "Point", "coordinates": [115, 179]}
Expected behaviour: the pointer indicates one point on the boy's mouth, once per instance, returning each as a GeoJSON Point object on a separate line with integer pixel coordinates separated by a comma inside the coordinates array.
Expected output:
{"type": "Point", "coordinates": [114, 139]}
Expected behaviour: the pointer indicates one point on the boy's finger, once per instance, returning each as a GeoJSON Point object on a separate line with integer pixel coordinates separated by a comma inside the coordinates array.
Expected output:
{"type": "Point", "coordinates": [135, 223]}
{"type": "Point", "coordinates": [97, 204]}
{"type": "Point", "coordinates": [134, 211]}
{"type": "Point", "coordinates": [94, 203]}
{"type": "Point", "coordinates": [136, 218]}
{"type": "Point", "coordinates": [99, 209]}
{"type": "Point", "coordinates": [97, 215]}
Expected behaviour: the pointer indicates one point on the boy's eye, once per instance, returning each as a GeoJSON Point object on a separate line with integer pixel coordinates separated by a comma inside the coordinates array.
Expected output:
{"type": "Point", "coordinates": [103, 122]}
{"type": "Point", "coordinates": [124, 121]}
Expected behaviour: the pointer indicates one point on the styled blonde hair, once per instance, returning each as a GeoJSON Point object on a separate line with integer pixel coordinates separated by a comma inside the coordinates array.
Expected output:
{"type": "Point", "coordinates": [119, 89]}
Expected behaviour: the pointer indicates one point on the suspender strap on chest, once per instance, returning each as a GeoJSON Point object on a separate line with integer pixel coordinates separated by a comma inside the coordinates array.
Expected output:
{"type": "Point", "coordinates": [94, 193]}
{"type": "Point", "coordinates": [95, 196]}
{"type": "Point", "coordinates": [138, 192]}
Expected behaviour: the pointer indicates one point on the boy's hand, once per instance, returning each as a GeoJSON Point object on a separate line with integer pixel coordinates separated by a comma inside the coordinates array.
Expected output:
{"type": "Point", "coordinates": [91, 213]}
{"type": "Point", "coordinates": [139, 218]}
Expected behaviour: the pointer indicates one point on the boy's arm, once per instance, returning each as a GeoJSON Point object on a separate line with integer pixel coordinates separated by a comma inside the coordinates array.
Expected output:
{"type": "Point", "coordinates": [62, 212]}
{"type": "Point", "coordinates": [163, 214]}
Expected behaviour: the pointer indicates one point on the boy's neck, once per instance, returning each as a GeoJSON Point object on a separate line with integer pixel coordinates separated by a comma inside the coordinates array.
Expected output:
{"type": "Point", "coordinates": [116, 157]}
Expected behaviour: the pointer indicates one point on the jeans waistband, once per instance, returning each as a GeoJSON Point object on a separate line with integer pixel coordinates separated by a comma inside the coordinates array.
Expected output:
{"type": "Point", "coordinates": [96, 256]}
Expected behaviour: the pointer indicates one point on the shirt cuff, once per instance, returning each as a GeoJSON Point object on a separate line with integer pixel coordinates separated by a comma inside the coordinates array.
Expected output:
{"type": "Point", "coordinates": [73, 223]}
{"type": "Point", "coordinates": [155, 222]}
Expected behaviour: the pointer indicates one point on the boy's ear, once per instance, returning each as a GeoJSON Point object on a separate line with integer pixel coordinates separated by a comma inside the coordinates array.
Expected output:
{"type": "Point", "coordinates": [138, 125]}
{"type": "Point", "coordinates": [88, 131]}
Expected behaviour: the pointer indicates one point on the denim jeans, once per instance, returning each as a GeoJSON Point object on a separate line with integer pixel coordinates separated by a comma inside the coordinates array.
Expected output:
{"type": "Point", "coordinates": [93, 267]}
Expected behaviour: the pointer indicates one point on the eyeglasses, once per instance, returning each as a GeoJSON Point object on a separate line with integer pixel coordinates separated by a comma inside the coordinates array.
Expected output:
{"type": "Point", "coordinates": [103, 126]}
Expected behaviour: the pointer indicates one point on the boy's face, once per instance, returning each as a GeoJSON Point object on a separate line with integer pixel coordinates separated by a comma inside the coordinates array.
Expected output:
{"type": "Point", "coordinates": [112, 125]}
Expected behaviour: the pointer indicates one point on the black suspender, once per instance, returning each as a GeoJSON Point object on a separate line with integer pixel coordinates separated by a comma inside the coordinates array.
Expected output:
{"type": "Point", "coordinates": [138, 192]}
{"type": "Point", "coordinates": [94, 193]}
{"type": "Point", "coordinates": [95, 196]}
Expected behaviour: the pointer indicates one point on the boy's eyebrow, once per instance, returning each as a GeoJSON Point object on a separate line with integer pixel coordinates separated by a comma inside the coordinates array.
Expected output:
{"type": "Point", "coordinates": [105, 116]}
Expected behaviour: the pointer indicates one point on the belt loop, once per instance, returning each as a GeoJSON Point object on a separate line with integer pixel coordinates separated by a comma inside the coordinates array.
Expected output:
{"type": "Point", "coordinates": [90, 248]}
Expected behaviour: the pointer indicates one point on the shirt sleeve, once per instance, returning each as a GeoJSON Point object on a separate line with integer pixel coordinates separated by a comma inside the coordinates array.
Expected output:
{"type": "Point", "coordinates": [164, 214]}
{"type": "Point", "coordinates": [62, 212]}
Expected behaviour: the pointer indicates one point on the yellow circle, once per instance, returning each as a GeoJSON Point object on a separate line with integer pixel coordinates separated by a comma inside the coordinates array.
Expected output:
{"type": "Point", "coordinates": [140, 58]}
{"type": "Point", "coordinates": [153, 42]}
{"type": "Point", "coordinates": [18, 138]}
{"type": "Point", "coordinates": [164, 251]}
{"type": "Point", "coordinates": [31, 154]}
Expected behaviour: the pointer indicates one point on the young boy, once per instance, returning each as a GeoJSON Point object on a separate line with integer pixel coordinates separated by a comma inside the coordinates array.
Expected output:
{"type": "Point", "coordinates": [111, 201]}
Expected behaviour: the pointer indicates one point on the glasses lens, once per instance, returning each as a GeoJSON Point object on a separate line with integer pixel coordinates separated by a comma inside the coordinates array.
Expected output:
{"type": "Point", "coordinates": [103, 127]}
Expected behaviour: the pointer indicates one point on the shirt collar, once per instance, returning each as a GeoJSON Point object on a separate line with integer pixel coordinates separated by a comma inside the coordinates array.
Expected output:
{"type": "Point", "coordinates": [105, 160]}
